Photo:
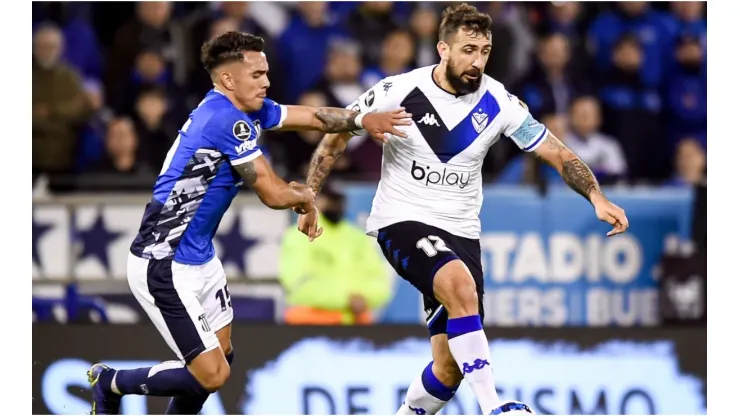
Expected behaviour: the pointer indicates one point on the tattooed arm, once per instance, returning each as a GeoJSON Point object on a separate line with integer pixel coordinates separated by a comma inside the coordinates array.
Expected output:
{"type": "Point", "coordinates": [326, 119]}
{"type": "Point", "coordinates": [271, 189]}
{"type": "Point", "coordinates": [580, 178]}
{"type": "Point", "coordinates": [327, 153]}
{"type": "Point", "coordinates": [572, 169]}
{"type": "Point", "coordinates": [340, 120]}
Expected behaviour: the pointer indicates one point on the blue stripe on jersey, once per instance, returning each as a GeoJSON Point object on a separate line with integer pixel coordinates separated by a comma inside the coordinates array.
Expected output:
{"type": "Point", "coordinates": [446, 143]}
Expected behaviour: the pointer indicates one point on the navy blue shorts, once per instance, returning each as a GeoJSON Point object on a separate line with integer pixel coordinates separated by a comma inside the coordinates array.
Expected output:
{"type": "Point", "coordinates": [417, 251]}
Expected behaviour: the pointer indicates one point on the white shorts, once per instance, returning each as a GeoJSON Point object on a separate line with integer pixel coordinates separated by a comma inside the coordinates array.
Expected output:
{"type": "Point", "coordinates": [187, 303]}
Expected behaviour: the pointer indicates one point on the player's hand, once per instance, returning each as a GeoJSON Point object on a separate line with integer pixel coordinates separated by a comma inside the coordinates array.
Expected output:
{"type": "Point", "coordinates": [308, 199]}
{"type": "Point", "coordinates": [309, 224]}
{"type": "Point", "coordinates": [378, 124]}
{"type": "Point", "coordinates": [610, 213]}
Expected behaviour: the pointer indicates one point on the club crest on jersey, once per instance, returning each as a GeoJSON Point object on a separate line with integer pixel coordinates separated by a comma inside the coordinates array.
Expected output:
{"type": "Point", "coordinates": [480, 121]}
{"type": "Point", "coordinates": [242, 130]}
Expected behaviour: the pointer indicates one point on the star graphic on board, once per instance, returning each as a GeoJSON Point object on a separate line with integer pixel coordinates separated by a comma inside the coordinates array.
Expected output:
{"type": "Point", "coordinates": [95, 241]}
{"type": "Point", "coordinates": [234, 245]}
{"type": "Point", "coordinates": [37, 232]}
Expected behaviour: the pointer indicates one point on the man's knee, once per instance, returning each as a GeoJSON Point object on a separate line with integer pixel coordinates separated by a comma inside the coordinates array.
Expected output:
{"type": "Point", "coordinates": [455, 287]}
{"type": "Point", "coordinates": [211, 370]}
{"type": "Point", "coordinates": [213, 379]}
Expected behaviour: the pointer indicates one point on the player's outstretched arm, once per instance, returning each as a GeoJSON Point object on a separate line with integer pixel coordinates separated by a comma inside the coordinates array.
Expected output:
{"type": "Point", "coordinates": [338, 120]}
{"type": "Point", "coordinates": [272, 190]}
{"type": "Point", "coordinates": [326, 155]}
{"type": "Point", "coordinates": [580, 178]}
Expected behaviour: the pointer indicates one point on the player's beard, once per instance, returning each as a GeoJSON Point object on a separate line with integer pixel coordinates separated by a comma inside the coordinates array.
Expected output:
{"type": "Point", "coordinates": [461, 85]}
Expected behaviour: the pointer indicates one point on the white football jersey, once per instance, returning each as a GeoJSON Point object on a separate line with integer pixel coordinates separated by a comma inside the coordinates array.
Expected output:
{"type": "Point", "coordinates": [434, 175]}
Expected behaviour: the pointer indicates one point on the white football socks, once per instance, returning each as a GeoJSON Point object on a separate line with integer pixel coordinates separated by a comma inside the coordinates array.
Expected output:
{"type": "Point", "coordinates": [469, 347]}
{"type": "Point", "coordinates": [426, 395]}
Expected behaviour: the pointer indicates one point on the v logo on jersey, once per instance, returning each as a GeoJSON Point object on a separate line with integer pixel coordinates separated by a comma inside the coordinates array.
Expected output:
{"type": "Point", "coordinates": [479, 120]}
{"type": "Point", "coordinates": [447, 143]}
{"type": "Point", "coordinates": [429, 119]}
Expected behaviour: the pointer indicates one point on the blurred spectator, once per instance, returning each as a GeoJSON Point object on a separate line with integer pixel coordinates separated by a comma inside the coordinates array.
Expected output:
{"type": "Point", "coordinates": [686, 96]}
{"type": "Point", "coordinates": [524, 42]}
{"type": "Point", "coordinates": [149, 70]}
{"type": "Point", "coordinates": [60, 106]}
{"type": "Point", "coordinates": [502, 43]}
{"type": "Point", "coordinates": [121, 146]}
{"type": "Point", "coordinates": [340, 83]}
{"type": "Point", "coordinates": [396, 58]}
{"type": "Point", "coordinates": [92, 138]}
{"type": "Point", "coordinates": [550, 86]}
{"type": "Point", "coordinates": [339, 278]}
{"type": "Point", "coordinates": [632, 111]}
{"type": "Point", "coordinates": [602, 153]}
{"type": "Point", "coordinates": [687, 19]}
{"type": "Point", "coordinates": [303, 47]}
{"type": "Point", "coordinates": [155, 131]}
{"type": "Point", "coordinates": [690, 163]}
{"type": "Point", "coordinates": [425, 25]}
{"type": "Point", "coordinates": [371, 23]}
{"type": "Point", "coordinates": [647, 25]}
{"type": "Point", "coordinates": [564, 17]}
{"type": "Point", "coordinates": [150, 29]}
{"type": "Point", "coordinates": [74, 21]}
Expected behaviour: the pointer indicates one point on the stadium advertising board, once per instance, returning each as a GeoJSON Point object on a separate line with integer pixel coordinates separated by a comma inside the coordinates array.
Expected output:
{"type": "Point", "coordinates": [547, 261]}
{"type": "Point", "coordinates": [366, 370]}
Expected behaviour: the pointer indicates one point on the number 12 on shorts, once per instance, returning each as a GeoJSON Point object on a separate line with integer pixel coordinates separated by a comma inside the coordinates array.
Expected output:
{"type": "Point", "coordinates": [223, 296]}
{"type": "Point", "coordinates": [432, 245]}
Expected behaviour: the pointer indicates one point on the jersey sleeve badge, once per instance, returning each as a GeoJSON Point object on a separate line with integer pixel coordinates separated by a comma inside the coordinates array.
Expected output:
{"type": "Point", "coordinates": [242, 130]}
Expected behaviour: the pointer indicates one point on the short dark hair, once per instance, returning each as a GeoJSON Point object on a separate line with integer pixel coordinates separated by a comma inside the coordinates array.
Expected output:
{"type": "Point", "coordinates": [465, 16]}
{"type": "Point", "coordinates": [229, 47]}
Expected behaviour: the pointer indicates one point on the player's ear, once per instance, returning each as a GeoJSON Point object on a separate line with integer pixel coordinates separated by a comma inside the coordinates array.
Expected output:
{"type": "Point", "coordinates": [227, 80]}
{"type": "Point", "coordinates": [444, 50]}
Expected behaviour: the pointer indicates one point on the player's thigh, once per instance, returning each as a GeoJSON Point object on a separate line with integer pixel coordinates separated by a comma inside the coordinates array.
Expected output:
{"type": "Point", "coordinates": [416, 251]}
{"type": "Point", "coordinates": [459, 284]}
{"type": "Point", "coordinates": [468, 254]}
{"type": "Point", "coordinates": [168, 292]}
{"type": "Point", "coordinates": [216, 300]}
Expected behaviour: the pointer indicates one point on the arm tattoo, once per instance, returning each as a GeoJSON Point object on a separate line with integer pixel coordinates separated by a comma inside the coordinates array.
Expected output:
{"type": "Point", "coordinates": [247, 172]}
{"type": "Point", "coordinates": [323, 160]}
{"type": "Point", "coordinates": [574, 172]}
{"type": "Point", "coordinates": [337, 120]}
{"type": "Point", "coordinates": [579, 177]}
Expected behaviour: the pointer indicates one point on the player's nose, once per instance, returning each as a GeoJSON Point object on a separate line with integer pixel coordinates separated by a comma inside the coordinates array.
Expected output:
{"type": "Point", "coordinates": [479, 63]}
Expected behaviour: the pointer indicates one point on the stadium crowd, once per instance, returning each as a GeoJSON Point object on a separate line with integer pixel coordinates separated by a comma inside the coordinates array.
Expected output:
{"type": "Point", "coordinates": [624, 84]}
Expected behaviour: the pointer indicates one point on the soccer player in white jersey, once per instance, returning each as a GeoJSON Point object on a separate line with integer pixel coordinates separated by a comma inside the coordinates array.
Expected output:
{"type": "Point", "coordinates": [425, 211]}
{"type": "Point", "coordinates": [172, 268]}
